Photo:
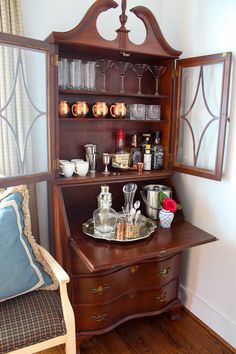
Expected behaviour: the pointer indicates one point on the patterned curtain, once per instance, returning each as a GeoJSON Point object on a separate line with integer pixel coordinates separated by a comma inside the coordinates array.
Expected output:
{"type": "Point", "coordinates": [16, 111]}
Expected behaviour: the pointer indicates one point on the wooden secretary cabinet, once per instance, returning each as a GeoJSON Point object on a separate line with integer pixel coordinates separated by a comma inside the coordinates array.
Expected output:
{"type": "Point", "coordinates": [114, 282]}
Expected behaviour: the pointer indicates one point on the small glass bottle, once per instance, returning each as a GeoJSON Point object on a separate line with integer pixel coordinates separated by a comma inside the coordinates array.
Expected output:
{"type": "Point", "coordinates": [105, 218]}
{"type": "Point", "coordinates": [157, 153]}
{"type": "Point", "coordinates": [135, 153]}
{"type": "Point", "coordinates": [146, 140]}
{"type": "Point", "coordinates": [147, 158]}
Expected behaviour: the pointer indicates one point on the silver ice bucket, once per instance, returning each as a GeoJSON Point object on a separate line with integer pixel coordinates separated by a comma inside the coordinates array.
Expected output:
{"type": "Point", "coordinates": [150, 196]}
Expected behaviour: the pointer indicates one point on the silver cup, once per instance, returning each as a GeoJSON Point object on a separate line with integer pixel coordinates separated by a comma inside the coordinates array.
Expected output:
{"type": "Point", "coordinates": [90, 149]}
{"type": "Point", "coordinates": [92, 160]}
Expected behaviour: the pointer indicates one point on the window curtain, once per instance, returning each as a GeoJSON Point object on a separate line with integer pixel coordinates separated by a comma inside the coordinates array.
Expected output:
{"type": "Point", "coordinates": [14, 110]}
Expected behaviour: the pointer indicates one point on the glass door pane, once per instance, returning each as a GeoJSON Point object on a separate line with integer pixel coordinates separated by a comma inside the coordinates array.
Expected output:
{"type": "Point", "coordinates": [24, 111]}
{"type": "Point", "coordinates": [201, 114]}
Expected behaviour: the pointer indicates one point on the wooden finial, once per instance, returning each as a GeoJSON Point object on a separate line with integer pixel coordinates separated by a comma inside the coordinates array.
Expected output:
{"type": "Point", "coordinates": [123, 16]}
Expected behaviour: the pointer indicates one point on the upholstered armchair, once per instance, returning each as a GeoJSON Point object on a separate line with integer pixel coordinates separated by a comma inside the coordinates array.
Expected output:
{"type": "Point", "coordinates": [35, 311]}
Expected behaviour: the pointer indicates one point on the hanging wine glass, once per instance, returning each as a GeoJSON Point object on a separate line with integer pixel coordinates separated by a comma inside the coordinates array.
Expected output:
{"type": "Point", "coordinates": [122, 67]}
{"type": "Point", "coordinates": [157, 71]}
{"type": "Point", "coordinates": [104, 65]}
{"type": "Point", "coordinates": [139, 69]}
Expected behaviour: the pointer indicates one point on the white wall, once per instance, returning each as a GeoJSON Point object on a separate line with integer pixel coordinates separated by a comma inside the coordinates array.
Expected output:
{"type": "Point", "coordinates": [196, 27]}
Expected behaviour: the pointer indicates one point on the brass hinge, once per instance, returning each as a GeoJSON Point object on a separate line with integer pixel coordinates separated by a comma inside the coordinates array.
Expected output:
{"type": "Point", "coordinates": [174, 73]}
{"type": "Point", "coordinates": [55, 164]}
{"type": "Point", "coordinates": [55, 59]}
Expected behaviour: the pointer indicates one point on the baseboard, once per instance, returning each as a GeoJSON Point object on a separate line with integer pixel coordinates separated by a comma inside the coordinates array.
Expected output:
{"type": "Point", "coordinates": [210, 318]}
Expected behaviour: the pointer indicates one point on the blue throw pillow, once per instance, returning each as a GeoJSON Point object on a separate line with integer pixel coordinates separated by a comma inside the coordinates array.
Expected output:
{"type": "Point", "coordinates": [22, 268]}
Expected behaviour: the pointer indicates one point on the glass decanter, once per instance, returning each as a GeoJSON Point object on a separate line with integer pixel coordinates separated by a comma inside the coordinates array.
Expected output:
{"type": "Point", "coordinates": [105, 218]}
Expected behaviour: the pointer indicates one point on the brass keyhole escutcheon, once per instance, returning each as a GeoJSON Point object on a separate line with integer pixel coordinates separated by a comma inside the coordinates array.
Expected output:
{"type": "Point", "coordinates": [133, 269]}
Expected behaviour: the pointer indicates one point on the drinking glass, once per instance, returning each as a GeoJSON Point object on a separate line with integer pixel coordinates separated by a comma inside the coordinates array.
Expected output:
{"type": "Point", "coordinates": [123, 67]}
{"type": "Point", "coordinates": [129, 191]}
{"type": "Point", "coordinates": [106, 159]}
{"type": "Point", "coordinates": [157, 71]}
{"type": "Point", "coordinates": [104, 65]}
{"type": "Point", "coordinates": [64, 73]}
{"type": "Point", "coordinates": [139, 69]}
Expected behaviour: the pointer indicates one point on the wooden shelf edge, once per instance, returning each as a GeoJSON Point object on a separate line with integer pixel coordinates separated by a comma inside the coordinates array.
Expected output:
{"type": "Point", "coordinates": [93, 119]}
{"type": "Point", "coordinates": [102, 93]}
{"type": "Point", "coordinates": [113, 177]}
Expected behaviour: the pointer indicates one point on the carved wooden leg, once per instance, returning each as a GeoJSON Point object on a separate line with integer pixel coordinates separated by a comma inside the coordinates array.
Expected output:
{"type": "Point", "coordinates": [175, 311]}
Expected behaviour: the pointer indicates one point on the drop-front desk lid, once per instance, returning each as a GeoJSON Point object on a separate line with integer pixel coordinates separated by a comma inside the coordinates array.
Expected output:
{"type": "Point", "coordinates": [100, 255]}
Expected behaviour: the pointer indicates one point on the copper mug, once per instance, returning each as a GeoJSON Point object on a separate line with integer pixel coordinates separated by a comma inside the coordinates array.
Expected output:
{"type": "Point", "coordinates": [80, 109]}
{"type": "Point", "coordinates": [118, 110]}
{"type": "Point", "coordinates": [64, 109]}
{"type": "Point", "coordinates": [100, 109]}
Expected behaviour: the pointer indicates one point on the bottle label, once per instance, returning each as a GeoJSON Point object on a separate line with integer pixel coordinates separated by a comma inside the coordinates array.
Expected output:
{"type": "Point", "coordinates": [157, 160]}
{"type": "Point", "coordinates": [147, 162]}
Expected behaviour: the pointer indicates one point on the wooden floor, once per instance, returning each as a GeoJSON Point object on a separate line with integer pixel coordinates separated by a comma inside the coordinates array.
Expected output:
{"type": "Point", "coordinates": [154, 335]}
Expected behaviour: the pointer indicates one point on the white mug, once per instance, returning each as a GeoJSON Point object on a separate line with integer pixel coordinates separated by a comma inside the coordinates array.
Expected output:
{"type": "Point", "coordinates": [67, 169]}
{"type": "Point", "coordinates": [81, 168]}
{"type": "Point", "coordinates": [76, 160]}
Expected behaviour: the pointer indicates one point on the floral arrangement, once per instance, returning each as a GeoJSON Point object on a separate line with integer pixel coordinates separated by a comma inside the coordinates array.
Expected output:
{"type": "Point", "coordinates": [168, 204]}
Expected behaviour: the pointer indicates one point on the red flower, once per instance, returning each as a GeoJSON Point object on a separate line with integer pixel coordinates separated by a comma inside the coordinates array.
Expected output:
{"type": "Point", "coordinates": [169, 205]}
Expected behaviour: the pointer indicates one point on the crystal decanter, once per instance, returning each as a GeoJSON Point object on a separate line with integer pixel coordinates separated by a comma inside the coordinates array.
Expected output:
{"type": "Point", "coordinates": [105, 218]}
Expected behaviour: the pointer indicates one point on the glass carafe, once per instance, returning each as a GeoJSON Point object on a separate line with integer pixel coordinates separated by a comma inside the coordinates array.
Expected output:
{"type": "Point", "coordinates": [105, 218]}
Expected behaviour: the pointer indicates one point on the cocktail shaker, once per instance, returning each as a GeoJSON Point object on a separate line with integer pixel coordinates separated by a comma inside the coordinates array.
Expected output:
{"type": "Point", "coordinates": [91, 156]}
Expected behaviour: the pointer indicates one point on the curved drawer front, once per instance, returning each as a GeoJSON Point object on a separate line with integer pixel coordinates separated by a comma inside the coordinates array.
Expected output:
{"type": "Point", "coordinates": [95, 317]}
{"type": "Point", "coordinates": [97, 289]}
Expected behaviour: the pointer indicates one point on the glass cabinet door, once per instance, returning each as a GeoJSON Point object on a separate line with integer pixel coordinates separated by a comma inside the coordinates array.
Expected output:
{"type": "Point", "coordinates": [201, 114]}
{"type": "Point", "coordinates": [25, 125]}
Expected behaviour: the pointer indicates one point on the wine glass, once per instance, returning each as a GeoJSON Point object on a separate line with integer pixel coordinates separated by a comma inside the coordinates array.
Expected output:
{"type": "Point", "coordinates": [157, 71]}
{"type": "Point", "coordinates": [106, 159]}
{"type": "Point", "coordinates": [104, 65]}
{"type": "Point", "coordinates": [123, 67]}
{"type": "Point", "coordinates": [139, 69]}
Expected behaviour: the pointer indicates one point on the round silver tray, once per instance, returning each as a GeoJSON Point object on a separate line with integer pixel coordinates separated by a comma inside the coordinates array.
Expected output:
{"type": "Point", "coordinates": [147, 227]}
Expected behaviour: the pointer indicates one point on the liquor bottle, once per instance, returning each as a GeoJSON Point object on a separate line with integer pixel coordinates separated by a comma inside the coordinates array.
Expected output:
{"type": "Point", "coordinates": [135, 153]}
{"type": "Point", "coordinates": [146, 140]}
{"type": "Point", "coordinates": [120, 142]}
{"type": "Point", "coordinates": [120, 158]}
{"type": "Point", "coordinates": [157, 153]}
{"type": "Point", "coordinates": [147, 158]}
{"type": "Point", "coordinates": [105, 218]}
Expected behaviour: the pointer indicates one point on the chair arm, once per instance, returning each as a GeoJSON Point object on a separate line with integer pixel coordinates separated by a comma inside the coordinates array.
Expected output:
{"type": "Point", "coordinates": [58, 271]}
{"type": "Point", "coordinates": [63, 279]}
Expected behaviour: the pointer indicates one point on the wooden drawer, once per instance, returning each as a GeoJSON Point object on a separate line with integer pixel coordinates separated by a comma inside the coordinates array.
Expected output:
{"type": "Point", "coordinates": [95, 317]}
{"type": "Point", "coordinates": [104, 288]}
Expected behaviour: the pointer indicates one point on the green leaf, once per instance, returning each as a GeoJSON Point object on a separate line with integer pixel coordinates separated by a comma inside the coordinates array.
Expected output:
{"type": "Point", "coordinates": [161, 197]}
{"type": "Point", "coordinates": [178, 206]}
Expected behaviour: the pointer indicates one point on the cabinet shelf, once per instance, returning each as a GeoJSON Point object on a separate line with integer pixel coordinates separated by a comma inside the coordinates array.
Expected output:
{"type": "Point", "coordinates": [102, 93]}
{"type": "Point", "coordinates": [93, 119]}
{"type": "Point", "coordinates": [113, 177]}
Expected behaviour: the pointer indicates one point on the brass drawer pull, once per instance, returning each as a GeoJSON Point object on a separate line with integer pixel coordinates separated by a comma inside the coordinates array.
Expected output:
{"type": "Point", "coordinates": [99, 317]}
{"type": "Point", "coordinates": [101, 289]}
{"type": "Point", "coordinates": [162, 297]}
{"type": "Point", "coordinates": [164, 272]}
{"type": "Point", "coordinates": [133, 269]}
